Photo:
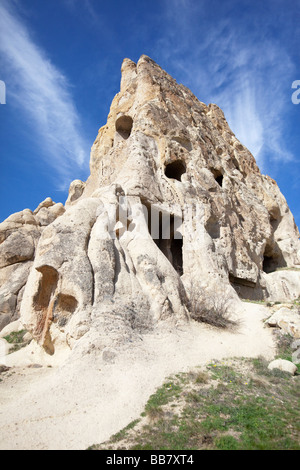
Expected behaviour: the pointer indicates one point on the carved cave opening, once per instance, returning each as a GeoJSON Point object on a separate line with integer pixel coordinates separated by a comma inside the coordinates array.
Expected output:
{"type": "Point", "coordinates": [175, 170]}
{"type": "Point", "coordinates": [163, 228]}
{"type": "Point", "coordinates": [124, 126]}
{"type": "Point", "coordinates": [46, 289]}
{"type": "Point", "coordinates": [239, 281]}
{"type": "Point", "coordinates": [245, 288]}
{"type": "Point", "coordinates": [170, 245]}
{"type": "Point", "coordinates": [176, 250]}
{"type": "Point", "coordinates": [51, 306]}
{"type": "Point", "coordinates": [272, 259]}
{"type": "Point", "coordinates": [43, 303]}
{"type": "Point", "coordinates": [65, 306]}
{"type": "Point", "coordinates": [270, 264]}
{"type": "Point", "coordinates": [218, 176]}
{"type": "Point", "coordinates": [219, 180]}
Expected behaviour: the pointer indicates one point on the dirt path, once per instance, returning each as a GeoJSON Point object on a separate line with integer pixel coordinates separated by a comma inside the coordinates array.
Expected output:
{"type": "Point", "coordinates": [77, 405]}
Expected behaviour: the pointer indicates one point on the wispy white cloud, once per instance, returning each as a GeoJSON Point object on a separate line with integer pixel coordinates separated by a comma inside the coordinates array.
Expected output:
{"type": "Point", "coordinates": [236, 65]}
{"type": "Point", "coordinates": [42, 92]}
{"type": "Point", "coordinates": [254, 98]}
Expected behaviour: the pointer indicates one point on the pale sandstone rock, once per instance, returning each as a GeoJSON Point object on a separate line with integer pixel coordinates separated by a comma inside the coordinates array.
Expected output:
{"type": "Point", "coordinates": [13, 326]}
{"type": "Point", "coordinates": [19, 235]}
{"type": "Point", "coordinates": [282, 285]}
{"type": "Point", "coordinates": [75, 191]}
{"type": "Point", "coordinates": [44, 204]}
{"type": "Point", "coordinates": [288, 320]}
{"type": "Point", "coordinates": [4, 350]}
{"type": "Point", "coordinates": [283, 365]}
{"type": "Point", "coordinates": [106, 266]}
{"type": "Point", "coordinates": [11, 290]}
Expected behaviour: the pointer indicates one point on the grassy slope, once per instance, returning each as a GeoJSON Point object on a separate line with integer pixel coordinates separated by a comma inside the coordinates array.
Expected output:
{"type": "Point", "coordinates": [236, 404]}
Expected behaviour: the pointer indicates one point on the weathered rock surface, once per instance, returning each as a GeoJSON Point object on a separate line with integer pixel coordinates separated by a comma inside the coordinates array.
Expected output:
{"type": "Point", "coordinates": [173, 200]}
{"type": "Point", "coordinates": [19, 236]}
{"type": "Point", "coordinates": [283, 365]}
{"type": "Point", "coordinates": [288, 320]}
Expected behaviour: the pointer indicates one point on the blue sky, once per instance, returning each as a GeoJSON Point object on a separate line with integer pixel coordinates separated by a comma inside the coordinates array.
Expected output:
{"type": "Point", "coordinates": [60, 61]}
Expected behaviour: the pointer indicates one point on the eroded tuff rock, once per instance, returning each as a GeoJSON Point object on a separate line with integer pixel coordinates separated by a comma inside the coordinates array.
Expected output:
{"type": "Point", "coordinates": [19, 236]}
{"type": "Point", "coordinates": [173, 200]}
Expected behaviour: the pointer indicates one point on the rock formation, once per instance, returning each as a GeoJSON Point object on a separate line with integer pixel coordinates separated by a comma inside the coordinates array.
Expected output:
{"type": "Point", "coordinates": [173, 200]}
{"type": "Point", "coordinates": [19, 235]}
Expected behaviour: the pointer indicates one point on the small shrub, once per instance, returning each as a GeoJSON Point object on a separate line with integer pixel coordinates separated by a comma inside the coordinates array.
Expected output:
{"type": "Point", "coordinates": [202, 378]}
{"type": "Point", "coordinates": [154, 413]}
{"type": "Point", "coordinates": [211, 306]}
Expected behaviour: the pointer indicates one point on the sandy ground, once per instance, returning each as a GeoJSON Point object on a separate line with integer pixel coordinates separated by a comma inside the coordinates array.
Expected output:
{"type": "Point", "coordinates": [73, 406]}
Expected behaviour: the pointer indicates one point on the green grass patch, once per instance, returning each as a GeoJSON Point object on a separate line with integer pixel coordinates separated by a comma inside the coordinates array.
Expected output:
{"type": "Point", "coordinates": [163, 395]}
{"type": "Point", "coordinates": [238, 405]}
{"type": "Point", "coordinates": [17, 339]}
{"type": "Point", "coordinates": [15, 336]}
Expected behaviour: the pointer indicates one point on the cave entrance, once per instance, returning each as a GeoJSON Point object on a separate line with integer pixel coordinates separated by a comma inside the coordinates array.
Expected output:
{"type": "Point", "coordinates": [272, 259]}
{"type": "Point", "coordinates": [43, 303]}
{"type": "Point", "coordinates": [169, 241]}
{"type": "Point", "coordinates": [218, 176]}
{"type": "Point", "coordinates": [176, 250]}
{"type": "Point", "coordinates": [270, 264]}
{"type": "Point", "coordinates": [165, 231]}
{"type": "Point", "coordinates": [175, 170]}
{"type": "Point", "coordinates": [124, 126]}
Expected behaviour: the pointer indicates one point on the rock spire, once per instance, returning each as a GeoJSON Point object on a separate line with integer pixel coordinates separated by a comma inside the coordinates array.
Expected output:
{"type": "Point", "coordinates": [173, 199]}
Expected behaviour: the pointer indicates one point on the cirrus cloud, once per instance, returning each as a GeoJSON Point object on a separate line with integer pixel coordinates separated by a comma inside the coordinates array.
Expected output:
{"type": "Point", "coordinates": [236, 61]}
{"type": "Point", "coordinates": [42, 92]}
